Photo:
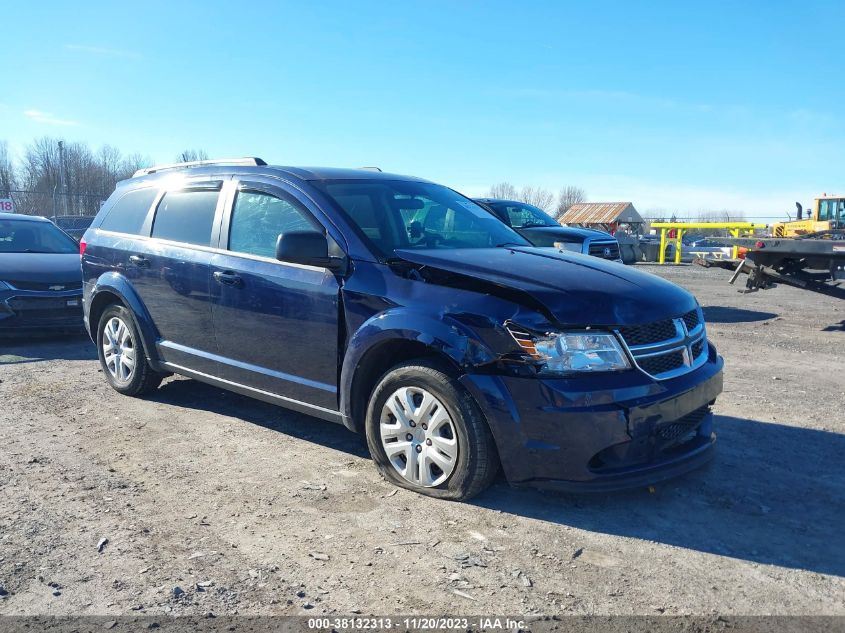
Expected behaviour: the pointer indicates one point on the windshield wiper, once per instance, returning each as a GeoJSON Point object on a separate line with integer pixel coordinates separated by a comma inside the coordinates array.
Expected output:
{"type": "Point", "coordinates": [506, 244]}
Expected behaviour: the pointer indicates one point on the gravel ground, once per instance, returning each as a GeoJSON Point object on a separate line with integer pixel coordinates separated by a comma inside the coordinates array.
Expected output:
{"type": "Point", "coordinates": [196, 500]}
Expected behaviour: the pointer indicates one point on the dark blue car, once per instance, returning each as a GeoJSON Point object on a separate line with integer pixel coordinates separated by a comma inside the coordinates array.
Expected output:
{"type": "Point", "coordinates": [402, 310]}
{"type": "Point", "coordinates": [40, 282]}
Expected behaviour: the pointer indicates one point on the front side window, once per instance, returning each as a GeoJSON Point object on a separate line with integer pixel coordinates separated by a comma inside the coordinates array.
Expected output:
{"type": "Point", "coordinates": [186, 216]}
{"type": "Point", "coordinates": [396, 214]}
{"type": "Point", "coordinates": [26, 236]}
{"type": "Point", "coordinates": [257, 220]}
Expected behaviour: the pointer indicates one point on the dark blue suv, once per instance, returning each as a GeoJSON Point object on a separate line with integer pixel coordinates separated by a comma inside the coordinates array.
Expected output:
{"type": "Point", "coordinates": [402, 310]}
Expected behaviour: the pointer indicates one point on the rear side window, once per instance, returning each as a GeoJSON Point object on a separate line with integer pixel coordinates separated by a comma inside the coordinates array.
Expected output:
{"type": "Point", "coordinates": [129, 212]}
{"type": "Point", "coordinates": [186, 216]}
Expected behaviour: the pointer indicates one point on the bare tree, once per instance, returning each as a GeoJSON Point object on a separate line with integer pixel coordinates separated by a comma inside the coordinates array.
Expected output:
{"type": "Point", "coordinates": [89, 178]}
{"type": "Point", "coordinates": [503, 191]}
{"type": "Point", "coordinates": [537, 196]}
{"type": "Point", "coordinates": [190, 155]}
{"type": "Point", "coordinates": [38, 174]}
{"type": "Point", "coordinates": [568, 196]}
{"type": "Point", "coordinates": [134, 162]}
{"type": "Point", "coordinates": [7, 171]}
{"type": "Point", "coordinates": [725, 215]}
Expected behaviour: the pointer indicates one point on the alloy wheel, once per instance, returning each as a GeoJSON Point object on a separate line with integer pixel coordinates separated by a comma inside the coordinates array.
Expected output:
{"type": "Point", "coordinates": [118, 349]}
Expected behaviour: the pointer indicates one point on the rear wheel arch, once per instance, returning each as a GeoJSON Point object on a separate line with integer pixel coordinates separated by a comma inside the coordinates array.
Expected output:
{"type": "Point", "coordinates": [122, 357]}
{"type": "Point", "coordinates": [99, 303]}
{"type": "Point", "coordinates": [105, 297]}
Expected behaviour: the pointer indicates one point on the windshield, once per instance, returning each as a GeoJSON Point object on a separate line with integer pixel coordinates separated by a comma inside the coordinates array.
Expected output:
{"type": "Point", "coordinates": [522, 215]}
{"type": "Point", "coordinates": [27, 236]}
{"type": "Point", "coordinates": [397, 214]}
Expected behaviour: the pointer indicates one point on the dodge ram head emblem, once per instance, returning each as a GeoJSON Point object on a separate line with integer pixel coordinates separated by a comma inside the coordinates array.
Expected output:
{"type": "Point", "coordinates": [606, 251]}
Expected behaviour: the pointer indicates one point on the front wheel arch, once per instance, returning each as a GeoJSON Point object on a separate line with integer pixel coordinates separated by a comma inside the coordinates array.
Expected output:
{"type": "Point", "coordinates": [376, 362]}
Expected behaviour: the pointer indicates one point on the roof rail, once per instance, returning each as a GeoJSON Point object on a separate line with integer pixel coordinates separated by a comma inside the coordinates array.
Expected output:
{"type": "Point", "coordinates": [247, 161]}
{"type": "Point", "coordinates": [370, 168]}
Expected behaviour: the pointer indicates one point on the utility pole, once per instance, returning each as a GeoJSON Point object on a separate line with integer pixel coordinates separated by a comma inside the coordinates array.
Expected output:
{"type": "Point", "coordinates": [62, 175]}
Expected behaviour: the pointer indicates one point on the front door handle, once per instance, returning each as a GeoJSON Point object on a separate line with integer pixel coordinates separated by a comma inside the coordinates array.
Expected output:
{"type": "Point", "coordinates": [228, 278]}
{"type": "Point", "coordinates": [140, 262]}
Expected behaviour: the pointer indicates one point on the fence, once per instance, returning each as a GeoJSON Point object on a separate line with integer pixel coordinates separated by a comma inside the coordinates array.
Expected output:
{"type": "Point", "coordinates": [693, 217]}
{"type": "Point", "coordinates": [53, 204]}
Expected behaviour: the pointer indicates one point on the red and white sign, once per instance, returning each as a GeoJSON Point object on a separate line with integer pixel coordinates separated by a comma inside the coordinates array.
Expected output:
{"type": "Point", "coordinates": [7, 205]}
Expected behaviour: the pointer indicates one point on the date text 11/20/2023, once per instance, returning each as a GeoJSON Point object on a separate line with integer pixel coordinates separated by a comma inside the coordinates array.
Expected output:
{"type": "Point", "coordinates": [415, 623]}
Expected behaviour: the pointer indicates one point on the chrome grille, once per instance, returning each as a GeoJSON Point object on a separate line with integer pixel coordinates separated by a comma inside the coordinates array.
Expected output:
{"type": "Point", "coordinates": [649, 333]}
{"type": "Point", "coordinates": [605, 250]}
{"type": "Point", "coordinates": [691, 320]}
{"type": "Point", "coordinates": [697, 348]}
{"type": "Point", "coordinates": [661, 363]}
{"type": "Point", "coordinates": [668, 348]}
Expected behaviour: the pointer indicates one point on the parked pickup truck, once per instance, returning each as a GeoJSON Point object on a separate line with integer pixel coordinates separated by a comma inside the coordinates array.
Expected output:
{"type": "Point", "coordinates": [541, 229]}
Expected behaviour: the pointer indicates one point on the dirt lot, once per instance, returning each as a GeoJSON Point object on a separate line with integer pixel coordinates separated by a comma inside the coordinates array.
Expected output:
{"type": "Point", "coordinates": [247, 508]}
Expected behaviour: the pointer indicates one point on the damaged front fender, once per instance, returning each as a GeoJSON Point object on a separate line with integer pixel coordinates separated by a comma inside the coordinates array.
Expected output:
{"type": "Point", "coordinates": [397, 327]}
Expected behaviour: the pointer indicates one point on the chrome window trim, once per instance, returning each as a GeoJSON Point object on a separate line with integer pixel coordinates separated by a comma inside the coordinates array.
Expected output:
{"type": "Point", "coordinates": [212, 249]}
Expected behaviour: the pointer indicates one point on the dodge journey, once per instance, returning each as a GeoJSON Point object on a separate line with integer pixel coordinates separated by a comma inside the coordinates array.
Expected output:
{"type": "Point", "coordinates": [406, 312]}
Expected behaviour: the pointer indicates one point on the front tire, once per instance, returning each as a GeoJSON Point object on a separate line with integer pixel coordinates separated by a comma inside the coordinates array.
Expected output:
{"type": "Point", "coordinates": [122, 355]}
{"type": "Point", "coordinates": [426, 433]}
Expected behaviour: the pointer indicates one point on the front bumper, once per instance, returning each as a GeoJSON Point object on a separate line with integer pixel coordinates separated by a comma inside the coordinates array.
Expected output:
{"type": "Point", "coordinates": [602, 431]}
{"type": "Point", "coordinates": [40, 310]}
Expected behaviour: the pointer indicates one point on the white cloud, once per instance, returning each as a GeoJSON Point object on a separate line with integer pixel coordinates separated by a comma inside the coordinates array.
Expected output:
{"type": "Point", "coordinates": [47, 118]}
{"type": "Point", "coordinates": [108, 52]}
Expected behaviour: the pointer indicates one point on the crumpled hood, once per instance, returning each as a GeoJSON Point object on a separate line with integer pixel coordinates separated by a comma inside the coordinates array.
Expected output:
{"type": "Point", "coordinates": [40, 267]}
{"type": "Point", "coordinates": [576, 289]}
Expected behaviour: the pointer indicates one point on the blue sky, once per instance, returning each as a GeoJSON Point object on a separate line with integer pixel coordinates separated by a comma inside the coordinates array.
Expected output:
{"type": "Point", "coordinates": [676, 106]}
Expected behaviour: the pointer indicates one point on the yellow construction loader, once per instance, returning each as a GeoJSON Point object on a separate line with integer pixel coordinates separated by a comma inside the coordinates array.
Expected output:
{"type": "Point", "coordinates": [828, 213]}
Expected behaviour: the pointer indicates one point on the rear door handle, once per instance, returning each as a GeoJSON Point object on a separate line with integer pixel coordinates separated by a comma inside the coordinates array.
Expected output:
{"type": "Point", "coordinates": [228, 278]}
{"type": "Point", "coordinates": [140, 262]}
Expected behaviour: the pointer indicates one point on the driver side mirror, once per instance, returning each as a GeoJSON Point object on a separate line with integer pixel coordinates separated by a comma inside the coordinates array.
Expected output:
{"type": "Point", "coordinates": [303, 247]}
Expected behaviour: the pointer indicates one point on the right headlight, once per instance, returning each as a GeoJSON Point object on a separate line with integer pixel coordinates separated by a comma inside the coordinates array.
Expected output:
{"type": "Point", "coordinates": [566, 352]}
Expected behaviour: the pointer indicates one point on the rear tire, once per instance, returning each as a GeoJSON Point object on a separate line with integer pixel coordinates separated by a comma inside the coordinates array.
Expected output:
{"type": "Point", "coordinates": [122, 354]}
{"type": "Point", "coordinates": [426, 433]}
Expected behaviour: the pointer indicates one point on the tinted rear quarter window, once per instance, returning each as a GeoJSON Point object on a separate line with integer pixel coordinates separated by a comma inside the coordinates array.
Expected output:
{"type": "Point", "coordinates": [186, 216]}
{"type": "Point", "coordinates": [129, 212]}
